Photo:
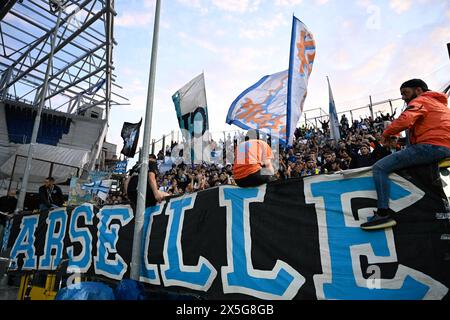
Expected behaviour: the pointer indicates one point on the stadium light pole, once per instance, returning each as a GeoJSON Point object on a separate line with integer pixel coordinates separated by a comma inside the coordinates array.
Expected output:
{"type": "Point", "coordinates": [143, 173]}
{"type": "Point", "coordinates": [37, 120]}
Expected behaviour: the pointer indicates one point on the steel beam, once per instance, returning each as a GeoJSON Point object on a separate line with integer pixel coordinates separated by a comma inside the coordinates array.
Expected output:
{"type": "Point", "coordinates": [6, 7]}
{"type": "Point", "coordinates": [58, 48]}
{"type": "Point", "coordinates": [46, 36]}
{"type": "Point", "coordinates": [108, 31]}
{"type": "Point", "coordinates": [77, 65]}
{"type": "Point", "coordinates": [37, 120]}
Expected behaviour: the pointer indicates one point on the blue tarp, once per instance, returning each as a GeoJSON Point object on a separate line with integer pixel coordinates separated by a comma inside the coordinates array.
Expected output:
{"type": "Point", "coordinates": [86, 291]}
{"type": "Point", "coordinates": [129, 290]}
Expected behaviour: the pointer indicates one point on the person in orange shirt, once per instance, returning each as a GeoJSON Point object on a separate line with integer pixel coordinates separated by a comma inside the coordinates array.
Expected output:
{"type": "Point", "coordinates": [253, 162]}
{"type": "Point", "coordinates": [427, 118]}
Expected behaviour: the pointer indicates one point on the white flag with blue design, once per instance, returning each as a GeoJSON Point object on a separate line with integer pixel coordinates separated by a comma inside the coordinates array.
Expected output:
{"type": "Point", "coordinates": [303, 52]}
{"type": "Point", "coordinates": [99, 188]}
{"type": "Point", "coordinates": [275, 103]}
{"type": "Point", "coordinates": [191, 106]}
{"type": "Point", "coordinates": [262, 106]}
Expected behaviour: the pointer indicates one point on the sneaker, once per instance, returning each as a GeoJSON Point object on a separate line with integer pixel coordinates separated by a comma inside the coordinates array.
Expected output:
{"type": "Point", "coordinates": [380, 220]}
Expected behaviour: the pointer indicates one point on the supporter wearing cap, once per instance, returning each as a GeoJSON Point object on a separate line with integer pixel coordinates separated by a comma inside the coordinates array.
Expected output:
{"type": "Point", "coordinates": [427, 117]}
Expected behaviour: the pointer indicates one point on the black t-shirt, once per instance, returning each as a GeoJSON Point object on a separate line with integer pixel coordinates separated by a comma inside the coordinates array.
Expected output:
{"type": "Point", "coordinates": [7, 205]}
{"type": "Point", "coordinates": [153, 167]}
{"type": "Point", "coordinates": [51, 196]}
{"type": "Point", "coordinates": [133, 185]}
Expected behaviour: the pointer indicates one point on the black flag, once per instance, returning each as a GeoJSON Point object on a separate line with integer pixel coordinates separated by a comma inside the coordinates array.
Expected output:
{"type": "Point", "coordinates": [130, 135]}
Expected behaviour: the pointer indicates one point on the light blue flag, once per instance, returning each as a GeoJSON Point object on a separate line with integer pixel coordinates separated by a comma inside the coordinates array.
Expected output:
{"type": "Point", "coordinates": [334, 122]}
{"type": "Point", "coordinates": [121, 167]}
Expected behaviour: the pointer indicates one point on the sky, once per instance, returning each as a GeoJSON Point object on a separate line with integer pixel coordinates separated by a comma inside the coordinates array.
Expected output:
{"type": "Point", "coordinates": [366, 48]}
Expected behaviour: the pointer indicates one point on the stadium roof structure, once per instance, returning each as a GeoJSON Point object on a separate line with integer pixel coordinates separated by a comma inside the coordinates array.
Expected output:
{"type": "Point", "coordinates": [82, 74]}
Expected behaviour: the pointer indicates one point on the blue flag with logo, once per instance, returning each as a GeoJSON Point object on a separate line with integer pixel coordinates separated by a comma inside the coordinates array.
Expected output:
{"type": "Point", "coordinates": [121, 167]}
{"type": "Point", "coordinates": [275, 103]}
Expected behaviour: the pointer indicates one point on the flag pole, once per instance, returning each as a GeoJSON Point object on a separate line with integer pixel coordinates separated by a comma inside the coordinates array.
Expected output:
{"type": "Point", "coordinates": [143, 173]}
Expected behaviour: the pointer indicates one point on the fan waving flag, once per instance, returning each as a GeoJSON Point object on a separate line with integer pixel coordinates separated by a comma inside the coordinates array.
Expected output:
{"type": "Point", "coordinates": [275, 103]}
{"type": "Point", "coordinates": [334, 122]}
{"type": "Point", "coordinates": [130, 135]}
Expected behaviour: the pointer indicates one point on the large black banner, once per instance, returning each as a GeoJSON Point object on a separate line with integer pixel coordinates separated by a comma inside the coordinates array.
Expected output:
{"type": "Point", "coordinates": [298, 239]}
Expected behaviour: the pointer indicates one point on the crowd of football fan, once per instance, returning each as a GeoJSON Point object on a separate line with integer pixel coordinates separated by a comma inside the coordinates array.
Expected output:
{"type": "Point", "coordinates": [312, 153]}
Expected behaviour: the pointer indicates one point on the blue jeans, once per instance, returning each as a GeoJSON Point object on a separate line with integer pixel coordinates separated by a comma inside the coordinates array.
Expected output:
{"type": "Point", "coordinates": [413, 155]}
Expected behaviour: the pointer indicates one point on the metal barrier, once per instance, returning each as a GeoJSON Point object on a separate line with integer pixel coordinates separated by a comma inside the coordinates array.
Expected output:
{"type": "Point", "coordinates": [52, 167]}
{"type": "Point", "coordinates": [372, 109]}
{"type": "Point", "coordinates": [310, 118]}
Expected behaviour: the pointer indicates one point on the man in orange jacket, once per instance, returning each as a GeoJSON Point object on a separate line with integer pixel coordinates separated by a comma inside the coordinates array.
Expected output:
{"type": "Point", "coordinates": [253, 162]}
{"type": "Point", "coordinates": [427, 117]}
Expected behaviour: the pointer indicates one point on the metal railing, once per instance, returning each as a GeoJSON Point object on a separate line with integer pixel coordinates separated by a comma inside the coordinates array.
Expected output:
{"type": "Point", "coordinates": [50, 171]}
{"type": "Point", "coordinates": [385, 106]}
{"type": "Point", "coordinates": [15, 100]}
{"type": "Point", "coordinates": [310, 117]}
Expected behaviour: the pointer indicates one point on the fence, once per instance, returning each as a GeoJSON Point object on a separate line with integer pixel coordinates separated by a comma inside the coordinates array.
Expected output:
{"type": "Point", "coordinates": [310, 118]}
{"type": "Point", "coordinates": [51, 167]}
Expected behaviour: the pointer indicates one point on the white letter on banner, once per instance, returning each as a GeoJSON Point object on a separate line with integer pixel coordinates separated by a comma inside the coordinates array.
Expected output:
{"type": "Point", "coordinates": [82, 262]}
{"type": "Point", "coordinates": [239, 276]}
{"type": "Point", "coordinates": [174, 272]}
{"type": "Point", "coordinates": [343, 242]}
{"type": "Point", "coordinates": [108, 235]}
{"type": "Point", "coordinates": [54, 240]}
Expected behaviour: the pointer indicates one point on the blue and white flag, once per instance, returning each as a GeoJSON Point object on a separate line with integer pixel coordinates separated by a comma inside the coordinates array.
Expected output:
{"type": "Point", "coordinates": [303, 52]}
{"type": "Point", "coordinates": [100, 188]}
{"type": "Point", "coordinates": [334, 122]}
{"type": "Point", "coordinates": [275, 103]}
{"type": "Point", "coordinates": [121, 167]}
{"type": "Point", "coordinates": [262, 106]}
